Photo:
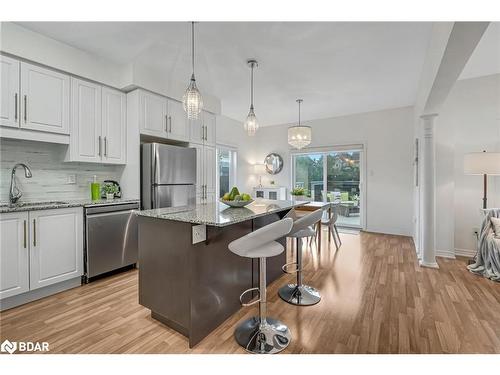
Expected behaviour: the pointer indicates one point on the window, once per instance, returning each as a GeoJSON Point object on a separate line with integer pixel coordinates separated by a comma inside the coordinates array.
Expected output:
{"type": "Point", "coordinates": [340, 171]}
{"type": "Point", "coordinates": [226, 169]}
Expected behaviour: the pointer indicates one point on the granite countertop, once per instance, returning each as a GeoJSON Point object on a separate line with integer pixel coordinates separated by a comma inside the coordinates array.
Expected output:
{"type": "Point", "coordinates": [218, 214]}
{"type": "Point", "coordinates": [5, 207]}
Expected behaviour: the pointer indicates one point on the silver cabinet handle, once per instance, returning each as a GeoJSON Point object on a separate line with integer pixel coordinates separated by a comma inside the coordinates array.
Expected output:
{"type": "Point", "coordinates": [105, 146]}
{"type": "Point", "coordinates": [25, 108]}
{"type": "Point", "coordinates": [204, 137]}
{"type": "Point", "coordinates": [170, 123]}
{"type": "Point", "coordinates": [25, 234]}
{"type": "Point", "coordinates": [15, 106]}
{"type": "Point", "coordinates": [34, 232]}
{"type": "Point", "coordinates": [99, 145]}
{"type": "Point", "coordinates": [166, 123]}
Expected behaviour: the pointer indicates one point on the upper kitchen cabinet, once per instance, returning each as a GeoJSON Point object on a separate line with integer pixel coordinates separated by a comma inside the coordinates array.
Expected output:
{"type": "Point", "coordinates": [114, 126]}
{"type": "Point", "coordinates": [152, 114]}
{"type": "Point", "coordinates": [178, 126]}
{"type": "Point", "coordinates": [161, 117]}
{"type": "Point", "coordinates": [44, 99]}
{"type": "Point", "coordinates": [203, 129]}
{"type": "Point", "coordinates": [9, 94]}
{"type": "Point", "coordinates": [86, 121]}
{"type": "Point", "coordinates": [210, 128]}
{"type": "Point", "coordinates": [98, 124]}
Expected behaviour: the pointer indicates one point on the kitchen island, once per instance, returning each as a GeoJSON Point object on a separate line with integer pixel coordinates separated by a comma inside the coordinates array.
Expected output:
{"type": "Point", "coordinates": [188, 278]}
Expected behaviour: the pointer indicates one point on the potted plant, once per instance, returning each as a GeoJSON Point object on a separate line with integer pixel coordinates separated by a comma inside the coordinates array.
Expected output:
{"type": "Point", "coordinates": [110, 190]}
{"type": "Point", "coordinates": [299, 194]}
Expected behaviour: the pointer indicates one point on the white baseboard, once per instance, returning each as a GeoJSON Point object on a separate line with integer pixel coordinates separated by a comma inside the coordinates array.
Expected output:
{"type": "Point", "coordinates": [446, 254]}
{"type": "Point", "coordinates": [465, 252]}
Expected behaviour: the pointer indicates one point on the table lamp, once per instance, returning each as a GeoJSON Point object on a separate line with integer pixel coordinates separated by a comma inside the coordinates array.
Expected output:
{"type": "Point", "coordinates": [482, 163]}
{"type": "Point", "coordinates": [259, 169]}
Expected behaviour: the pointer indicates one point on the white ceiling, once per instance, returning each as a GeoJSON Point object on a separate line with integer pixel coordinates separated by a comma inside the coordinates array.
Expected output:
{"type": "Point", "coordinates": [485, 59]}
{"type": "Point", "coordinates": [338, 68]}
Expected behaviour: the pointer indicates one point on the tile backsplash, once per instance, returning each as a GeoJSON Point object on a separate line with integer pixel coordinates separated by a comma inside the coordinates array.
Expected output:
{"type": "Point", "coordinates": [50, 173]}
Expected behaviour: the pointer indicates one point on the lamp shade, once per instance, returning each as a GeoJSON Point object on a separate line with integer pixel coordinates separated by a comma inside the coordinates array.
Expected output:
{"type": "Point", "coordinates": [482, 163]}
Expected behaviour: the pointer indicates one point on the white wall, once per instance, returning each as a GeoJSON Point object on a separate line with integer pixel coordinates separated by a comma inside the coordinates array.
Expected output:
{"type": "Point", "coordinates": [388, 136]}
{"type": "Point", "coordinates": [468, 122]}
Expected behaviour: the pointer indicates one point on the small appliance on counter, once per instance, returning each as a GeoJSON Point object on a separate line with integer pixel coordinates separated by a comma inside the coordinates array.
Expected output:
{"type": "Point", "coordinates": [118, 193]}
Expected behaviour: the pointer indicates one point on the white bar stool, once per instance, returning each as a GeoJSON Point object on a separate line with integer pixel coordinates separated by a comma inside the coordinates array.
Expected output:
{"type": "Point", "coordinates": [261, 334]}
{"type": "Point", "coordinates": [300, 294]}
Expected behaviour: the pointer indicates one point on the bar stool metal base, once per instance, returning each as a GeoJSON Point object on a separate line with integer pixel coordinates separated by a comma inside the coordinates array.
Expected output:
{"type": "Point", "coordinates": [302, 295]}
{"type": "Point", "coordinates": [268, 338]}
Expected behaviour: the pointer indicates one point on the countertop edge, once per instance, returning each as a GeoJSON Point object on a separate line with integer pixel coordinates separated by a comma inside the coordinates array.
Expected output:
{"type": "Point", "coordinates": [65, 204]}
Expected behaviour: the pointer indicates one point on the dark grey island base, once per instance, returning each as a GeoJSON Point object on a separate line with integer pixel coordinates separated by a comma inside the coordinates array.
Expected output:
{"type": "Point", "coordinates": [193, 288]}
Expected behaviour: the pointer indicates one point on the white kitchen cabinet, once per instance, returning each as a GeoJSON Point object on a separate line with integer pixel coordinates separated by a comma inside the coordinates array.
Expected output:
{"type": "Point", "coordinates": [45, 100]}
{"type": "Point", "coordinates": [56, 246]}
{"type": "Point", "coordinates": [98, 124]}
{"type": "Point", "coordinates": [205, 172]}
{"type": "Point", "coordinates": [14, 254]}
{"type": "Point", "coordinates": [152, 114]}
{"type": "Point", "coordinates": [210, 128]}
{"type": "Point", "coordinates": [203, 130]}
{"type": "Point", "coordinates": [209, 159]}
{"type": "Point", "coordinates": [114, 126]}
{"type": "Point", "coordinates": [86, 121]}
{"type": "Point", "coordinates": [178, 126]}
{"type": "Point", "coordinates": [9, 94]}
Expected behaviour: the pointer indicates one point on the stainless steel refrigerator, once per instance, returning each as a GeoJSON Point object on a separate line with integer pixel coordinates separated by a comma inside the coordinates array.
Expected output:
{"type": "Point", "coordinates": [168, 176]}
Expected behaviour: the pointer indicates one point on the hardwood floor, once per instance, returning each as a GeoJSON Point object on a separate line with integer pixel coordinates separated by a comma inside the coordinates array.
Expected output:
{"type": "Point", "coordinates": [375, 299]}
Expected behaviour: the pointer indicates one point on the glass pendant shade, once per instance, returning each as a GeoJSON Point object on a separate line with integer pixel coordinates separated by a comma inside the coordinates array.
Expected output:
{"type": "Point", "coordinates": [299, 136]}
{"type": "Point", "coordinates": [192, 100]}
{"type": "Point", "coordinates": [251, 124]}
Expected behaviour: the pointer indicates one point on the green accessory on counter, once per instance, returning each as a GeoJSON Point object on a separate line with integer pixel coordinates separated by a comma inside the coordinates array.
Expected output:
{"type": "Point", "coordinates": [95, 190]}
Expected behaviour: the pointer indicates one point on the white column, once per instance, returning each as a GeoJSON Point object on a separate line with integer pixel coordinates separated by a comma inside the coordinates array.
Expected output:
{"type": "Point", "coordinates": [428, 250]}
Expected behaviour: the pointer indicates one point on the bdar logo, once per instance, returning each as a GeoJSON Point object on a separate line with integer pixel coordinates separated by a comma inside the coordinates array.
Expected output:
{"type": "Point", "coordinates": [9, 347]}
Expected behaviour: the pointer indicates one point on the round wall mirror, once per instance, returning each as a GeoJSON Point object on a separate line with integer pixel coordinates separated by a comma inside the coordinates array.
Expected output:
{"type": "Point", "coordinates": [273, 163]}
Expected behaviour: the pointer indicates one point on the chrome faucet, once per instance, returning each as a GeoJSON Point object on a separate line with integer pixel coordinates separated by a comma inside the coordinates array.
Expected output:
{"type": "Point", "coordinates": [15, 193]}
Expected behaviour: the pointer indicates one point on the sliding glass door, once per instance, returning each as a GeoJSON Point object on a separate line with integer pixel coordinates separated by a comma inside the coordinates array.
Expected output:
{"type": "Point", "coordinates": [335, 176]}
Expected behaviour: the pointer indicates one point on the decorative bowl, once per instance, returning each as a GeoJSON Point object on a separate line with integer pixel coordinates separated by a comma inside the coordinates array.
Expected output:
{"type": "Point", "coordinates": [236, 203]}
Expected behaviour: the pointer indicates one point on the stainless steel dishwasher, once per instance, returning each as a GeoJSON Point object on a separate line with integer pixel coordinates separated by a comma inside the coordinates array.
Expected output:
{"type": "Point", "coordinates": [111, 240]}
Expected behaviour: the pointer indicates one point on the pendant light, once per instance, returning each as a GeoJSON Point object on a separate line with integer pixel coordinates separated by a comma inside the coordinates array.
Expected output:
{"type": "Point", "coordinates": [299, 136]}
{"type": "Point", "coordinates": [251, 125]}
{"type": "Point", "coordinates": [192, 100]}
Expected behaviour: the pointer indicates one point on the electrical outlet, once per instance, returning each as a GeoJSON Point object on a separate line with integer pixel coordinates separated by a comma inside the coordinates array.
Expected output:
{"type": "Point", "coordinates": [475, 232]}
{"type": "Point", "coordinates": [71, 179]}
{"type": "Point", "coordinates": [199, 233]}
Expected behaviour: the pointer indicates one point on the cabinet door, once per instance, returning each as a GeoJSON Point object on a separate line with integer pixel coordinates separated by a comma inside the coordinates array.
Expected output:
{"type": "Point", "coordinates": [14, 254]}
{"type": "Point", "coordinates": [178, 126]}
{"type": "Point", "coordinates": [114, 126]}
{"type": "Point", "coordinates": [56, 243]}
{"type": "Point", "coordinates": [196, 130]}
{"type": "Point", "coordinates": [86, 120]}
{"type": "Point", "coordinates": [209, 168]}
{"type": "Point", "coordinates": [9, 94]}
{"type": "Point", "coordinates": [210, 128]}
{"type": "Point", "coordinates": [200, 178]}
{"type": "Point", "coordinates": [153, 114]}
{"type": "Point", "coordinates": [44, 99]}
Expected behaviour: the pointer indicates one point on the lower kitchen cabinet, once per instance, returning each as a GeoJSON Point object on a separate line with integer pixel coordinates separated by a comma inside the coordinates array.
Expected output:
{"type": "Point", "coordinates": [56, 248]}
{"type": "Point", "coordinates": [40, 248]}
{"type": "Point", "coordinates": [14, 254]}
